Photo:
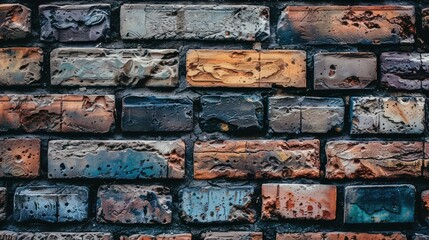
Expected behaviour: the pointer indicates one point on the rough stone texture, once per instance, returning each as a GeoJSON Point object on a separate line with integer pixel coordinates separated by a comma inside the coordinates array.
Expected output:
{"type": "Point", "coordinates": [57, 113]}
{"type": "Point", "coordinates": [420, 237]}
{"type": "Point", "coordinates": [20, 65]}
{"type": "Point", "coordinates": [3, 204]}
{"type": "Point", "coordinates": [257, 159]}
{"type": "Point", "coordinates": [373, 159]}
{"type": "Point", "coordinates": [182, 236]}
{"type": "Point", "coordinates": [379, 204]}
{"type": "Point", "coordinates": [231, 113]}
{"type": "Point", "coordinates": [387, 24]}
{"type": "Point", "coordinates": [305, 114]}
{"type": "Point", "coordinates": [298, 201]}
{"type": "Point", "coordinates": [198, 22]}
{"type": "Point", "coordinates": [387, 115]}
{"type": "Point", "coordinates": [19, 158]}
{"type": "Point", "coordinates": [9, 235]}
{"type": "Point", "coordinates": [121, 67]}
{"type": "Point", "coordinates": [129, 204]}
{"type": "Point", "coordinates": [51, 203]}
{"type": "Point", "coordinates": [341, 236]}
{"type": "Point", "coordinates": [15, 21]}
{"type": "Point", "coordinates": [246, 68]}
{"type": "Point", "coordinates": [116, 159]}
{"type": "Point", "coordinates": [74, 23]}
{"type": "Point", "coordinates": [232, 236]}
{"type": "Point", "coordinates": [345, 70]}
{"type": "Point", "coordinates": [217, 205]}
{"type": "Point", "coordinates": [151, 114]}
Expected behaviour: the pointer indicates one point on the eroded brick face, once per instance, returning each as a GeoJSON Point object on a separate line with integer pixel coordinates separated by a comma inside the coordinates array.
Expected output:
{"type": "Point", "coordinates": [20, 66]}
{"type": "Point", "coordinates": [425, 204]}
{"type": "Point", "coordinates": [20, 158]}
{"type": "Point", "coordinates": [232, 235]}
{"type": "Point", "coordinates": [341, 236]}
{"type": "Point", "coordinates": [15, 21]}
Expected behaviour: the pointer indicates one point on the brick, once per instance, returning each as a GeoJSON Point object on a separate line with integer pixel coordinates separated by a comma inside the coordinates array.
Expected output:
{"type": "Point", "coordinates": [15, 21]}
{"type": "Point", "coordinates": [196, 22]}
{"type": "Point", "coordinates": [20, 66]}
{"type": "Point", "coordinates": [182, 236]}
{"type": "Point", "coordinates": [232, 236]}
{"type": "Point", "coordinates": [231, 113]}
{"type": "Point", "coordinates": [298, 201]}
{"type": "Point", "coordinates": [379, 204]}
{"type": "Point", "coordinates": [305, 114]}
{"type": "Point", "coordinates": [401, 70]}
{"type": "Point", "coordinates": [373, 159]}
{"type": "Point", "coordinates": [20, 158]}
{"type": "Point", "coordinates": [257, 159]}
{"type": "Point", "coordinates": [425, 204]}
{"type": "Point", "coordinates": [57, 113]}
{"type": "Point", "coordinates": [341, 236]}
{"type": "Point", "coordinates": [152, 114]}
{"type": "Point", "coordinates": [74, 23]}
{"type": "Point", "coordinates": [387, 24]}
{"type": "Point", "coordinates": [116, 159]}
{"type": "Point", "coordinates": [217, 205]}
{"type": "Point", "coordinates": [387, 115]}
{"type": "Point", "coordinates": [131, 204]}
{"type": "Point", "coordinates": [121, 67]}
{"type": "Point", "coordinates": [3, 204]}
{"type": "Point", "coordinates": [418, 236]}
{"type": "Point", "coordinates": [51, 203]}
{"type": "Point", "coordinates": [246, 68]}
{"type": "Point", "coordinates": [345, 70]}
{"type": "Point", "coordinates": [9, 235]}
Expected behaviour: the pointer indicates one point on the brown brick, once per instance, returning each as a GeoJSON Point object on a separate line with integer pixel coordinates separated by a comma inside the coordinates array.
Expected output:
{"type": "Point", "coordinates": [345, 70]}
{"type": "Point", "coordinates": [260, 159]}
{"type": "Point", "coordinates": [299, 201]}
{"type": "Point", "coordinates": [232, 236]}
{"type": "Point", "coordinates": [180, 236]}
{"type": "Point", "coordinates": [246, 68]}
{"type": "Point", "coordinates": [341, 236]}
{"type": "Point", "coordinates": [387, 24]}
{"type": "Point", "coordinates": [373, 159]}
{"type": "Point", "coordinates": [15, 21]}
{"type": "Point", "coordinates": [20, 158]}
{"type": "Point", "coordinates": [20, 65]}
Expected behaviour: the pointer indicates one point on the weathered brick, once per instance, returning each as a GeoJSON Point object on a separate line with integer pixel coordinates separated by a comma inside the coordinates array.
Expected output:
{"type": "Point", "coordinates": [9, 235]}
{"type": "Point", "coordinates": [402, 70]}
{"type": "Point", "coordinates": [214, 204]}
{"type": "Point", "coordinates": [15, 21]}
{"type": "Point", "coordinates": [425, 23]}
{"type": "Point", "coordinates": [260, 159]}
{"type": "Point", "coordinates": [182, 236]}
{"type": "Point", "coordinates": [341, 236]}
{"type": "Point", "coordinates": [231, 113]}
{"type": "Point", "coordinates": [74, 23]}
{"type": "Point", "coordinates": [345, 70]}
{"type": "Point", "coordinates": [19, 158]}
{"type": "Point", "coordinates": [425, 204]}
{"type": "Point", "coordinates": [305, 114]}
{"type": "Point", "coordinates": [3, 204]}
{"type": "Point", "coordinates": [120, 67]}
{"type": "Point", "coordinates": [246, 68]}
{"type": "Point", "coordinates": [379, 204]}
{"type": "Point", "coordinates": [373, 159]}
{"type": "Point", "coordinates": [150, 114]}
{"type": "Point", "coordinates": [232, 236]}
{"type": "Point", "coordinates": [129, 204]}
{"type": "Point", "coordinates": [199, 22]}
{"type": "Point", "coordinates": [387, 24]}
{"type": "Point", "coordinates": [298, 201]}
{"type": "Point", "coordinates": [57, 113]}
{"type": "Point", "coordinates": [20, 65]}
{"type": "Point", "coordinates": [388, 115]}
{"type": "Point", "coordinates": [51, 203]}
{"type": "Point", "coordinates": [116, 159]}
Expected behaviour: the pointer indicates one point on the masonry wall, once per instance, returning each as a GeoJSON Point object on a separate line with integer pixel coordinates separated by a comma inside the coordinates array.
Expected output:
{"type": "Point", "coordinates": [214, 120]}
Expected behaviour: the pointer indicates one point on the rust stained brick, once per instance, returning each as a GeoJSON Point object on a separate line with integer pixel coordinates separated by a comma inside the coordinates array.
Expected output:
{"type": "Point", "coordinates": [20, 158]}
{"type": "Point", "coordinates": [15, 21]}
{"type": "Point", "coordinates": [20, 66]}
{"type": "Point", "coordinates": [298, 201]}
{"type": "Point", "coordinates": [340, 236]}
{"type": "Point", "coordinates": [258, 159]}
{"type": "Point", "coordinates": [246, 68]}
{"type": "Point", "coordinates": [232, 235]}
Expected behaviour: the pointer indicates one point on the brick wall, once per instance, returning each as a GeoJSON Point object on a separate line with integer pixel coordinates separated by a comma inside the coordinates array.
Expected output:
{"type": "Point", "coordinates": [243, 120]}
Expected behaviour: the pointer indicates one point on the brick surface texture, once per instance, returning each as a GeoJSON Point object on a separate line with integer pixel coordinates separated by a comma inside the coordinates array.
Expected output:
{"type": "Point", "coordinates": [214, 120]}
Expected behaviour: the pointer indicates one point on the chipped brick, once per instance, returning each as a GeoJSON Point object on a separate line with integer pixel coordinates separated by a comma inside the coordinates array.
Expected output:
{"type": "Point", "coordinates": [19, 158]}
{"type": "Point", "coordinates": [232, 235]}
{"type": "Point", "coordinates": [15, 21]}
{"type": "Point", "coordinates": [20, 66]}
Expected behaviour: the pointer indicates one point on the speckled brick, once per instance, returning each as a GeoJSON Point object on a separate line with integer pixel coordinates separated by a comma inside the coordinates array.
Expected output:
{"type": "Point", "coordinates": [20, 66]}
{"type": "Point", "coordinates": [379, 204]}
{"type": "Point", "coordinates": [180, 236]}
{"type": "Point", "coordinates": [51, 203]}
{"type": "Point", "coordinates": [340, 236]}
{"type": "Point", "coordinates": [194, 22]}
{"type": "Point", "coordinates": [15, 21]}
{"type": "Point", "coordinates": [217, 205]}
{"type": "Point", "coordinates": [134, 204]}
{"type": "Point", "coordinates": [256, 159]}
{"type": "Point", "coordinates": [373, 159]}
{"type": "Point", "coordinates": [298, 201]}
{"type": "Point", "coordinates": [232, 236]}
{"type": "Point", "coordinates": [20, 158]}
{"type": "Point", "coordinates": [116, 159]}
{"type": "Point", "coordinates": [305, 114]}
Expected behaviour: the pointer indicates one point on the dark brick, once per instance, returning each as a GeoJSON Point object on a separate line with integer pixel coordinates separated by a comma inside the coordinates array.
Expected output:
{"type": "Point", "coordinates": [418, 236]}
{"type": "Point", "coordinates": [150, 114]}
{"type": "Point", "coordinates": [20, 66]}
{"type": "Point", "coordinates": [3, 204]}
{"type": "Point", "coordinates": [181, 236]}
{"type": "Point", "coordinates": [403, 70]}
{"type": "Point", "coordinates": [15, 21]}
{"type": "Point", "coordinates": [20, 158]}
{"type": "Point", "coordinates": [379, 204]}
{"type": "Point", "coordinates": [9, 235]}
{"type": "Point", "coordinates": [232, 236]}
{"type": "Point", "coordinates": [340, 236]}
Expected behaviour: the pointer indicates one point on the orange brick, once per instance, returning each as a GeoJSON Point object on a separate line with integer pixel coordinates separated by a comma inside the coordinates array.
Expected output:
{"type": "Point", "coordinates": [20, 158]}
